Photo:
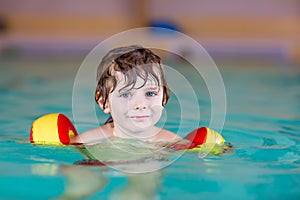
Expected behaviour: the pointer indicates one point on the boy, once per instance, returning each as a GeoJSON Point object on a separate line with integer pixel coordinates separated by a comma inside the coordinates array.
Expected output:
{"type": "Point", "coordinates": [133, 89]}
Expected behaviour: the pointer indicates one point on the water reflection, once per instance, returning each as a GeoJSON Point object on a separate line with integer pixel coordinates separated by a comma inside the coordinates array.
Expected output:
{"type": "Point", "coordinates": [82, 182]}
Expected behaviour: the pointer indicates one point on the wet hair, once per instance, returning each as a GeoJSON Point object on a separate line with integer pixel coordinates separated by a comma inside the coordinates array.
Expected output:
{"type": "Point", "coordinates": [133, 62]}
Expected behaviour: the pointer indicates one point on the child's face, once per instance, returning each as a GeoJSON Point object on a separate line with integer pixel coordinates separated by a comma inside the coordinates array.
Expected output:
{"type": "Point", "coordinates": [136, 110]}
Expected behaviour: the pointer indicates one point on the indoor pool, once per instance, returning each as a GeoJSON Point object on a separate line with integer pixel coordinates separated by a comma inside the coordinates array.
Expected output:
{"type": "Point", "coordinates": [262, 122]}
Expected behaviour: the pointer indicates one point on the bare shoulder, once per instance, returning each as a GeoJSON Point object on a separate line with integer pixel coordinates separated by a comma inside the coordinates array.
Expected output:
{"type": "Point", "coordinates": [167, 136]}
{"type": "Point", "coordinates": [93, 135]}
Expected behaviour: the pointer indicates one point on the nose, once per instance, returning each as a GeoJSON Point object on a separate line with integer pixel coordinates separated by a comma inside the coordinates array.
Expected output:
{"type": "Point", "coordinates": [138, 107]}
{"type": "Point", "coordinates": [139, 103]}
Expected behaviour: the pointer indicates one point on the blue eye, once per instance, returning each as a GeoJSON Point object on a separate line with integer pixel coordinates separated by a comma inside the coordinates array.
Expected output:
{"type": "Point", "coordinates": [126, 95]}
{"type": "Point", "coordinates": [151, 94]}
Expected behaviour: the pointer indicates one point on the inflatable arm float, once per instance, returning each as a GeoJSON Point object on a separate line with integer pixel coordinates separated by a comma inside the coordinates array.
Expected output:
{"type": "Point", "coordinates": [57, 129]}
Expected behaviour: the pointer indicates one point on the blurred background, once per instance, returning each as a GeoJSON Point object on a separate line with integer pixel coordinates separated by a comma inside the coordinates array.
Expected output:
{"type": "Point", "coordinates": [255, 44]}
{"type": "Point", "coordinates": [234, 29]}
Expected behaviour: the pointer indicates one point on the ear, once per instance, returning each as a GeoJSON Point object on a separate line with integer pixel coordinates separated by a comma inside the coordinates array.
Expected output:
{"type": "Point", "coordinates": [106, 108]}
{"type": "Point", "coordinates": [164, 102]}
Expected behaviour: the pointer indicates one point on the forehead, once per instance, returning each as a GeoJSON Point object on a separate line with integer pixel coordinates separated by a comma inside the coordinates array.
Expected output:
{"type": "Point", "coordinates": [138, 83]}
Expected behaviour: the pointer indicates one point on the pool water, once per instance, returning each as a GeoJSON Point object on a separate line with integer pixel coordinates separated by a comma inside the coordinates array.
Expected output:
{"type": "Point", "coordinates": [262, 122]}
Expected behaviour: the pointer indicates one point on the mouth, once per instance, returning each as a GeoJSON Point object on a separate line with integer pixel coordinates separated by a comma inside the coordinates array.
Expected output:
{"type": "Point", "coordinates": [140, 117]}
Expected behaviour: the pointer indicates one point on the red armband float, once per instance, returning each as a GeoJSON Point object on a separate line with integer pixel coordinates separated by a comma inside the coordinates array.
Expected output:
{"type": "Point", "coordinates": [54, 128]}
{"type": "Point", "coordinates": [203, 139]}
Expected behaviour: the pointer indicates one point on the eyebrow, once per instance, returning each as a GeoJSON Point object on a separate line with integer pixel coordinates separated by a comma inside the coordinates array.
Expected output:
{"type": "Point", "coordinates": [152, 88]}
{"type": "Point", "coordinates": [145, 88]}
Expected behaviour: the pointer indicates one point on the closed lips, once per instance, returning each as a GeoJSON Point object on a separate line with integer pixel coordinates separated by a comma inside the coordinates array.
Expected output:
{"type": "Point", "coordinates": [139, 117]}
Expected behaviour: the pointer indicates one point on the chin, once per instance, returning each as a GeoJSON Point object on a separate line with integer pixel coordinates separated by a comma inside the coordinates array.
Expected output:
{"type": "Point", "coordinates": [139, 127]}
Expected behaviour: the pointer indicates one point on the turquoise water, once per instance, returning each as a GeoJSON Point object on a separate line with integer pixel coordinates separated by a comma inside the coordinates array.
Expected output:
{"type": "Point", "coordinates": [262, 122]}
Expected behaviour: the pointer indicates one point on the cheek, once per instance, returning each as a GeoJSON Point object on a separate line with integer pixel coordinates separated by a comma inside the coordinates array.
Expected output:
{"type": "Point", "coordinates": [118, 106]}
{"type": "Point", "coordinates": [157, 113]}
{"type": "Point", "coordinates": [158, 101]}
{"type": "Point", "coordinates": [157, 108]}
